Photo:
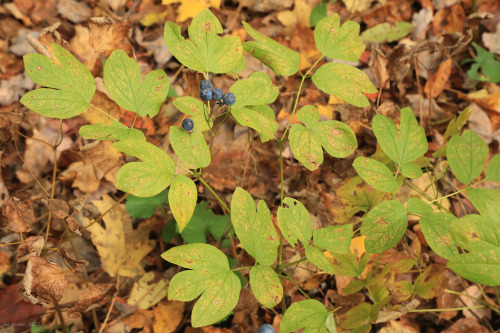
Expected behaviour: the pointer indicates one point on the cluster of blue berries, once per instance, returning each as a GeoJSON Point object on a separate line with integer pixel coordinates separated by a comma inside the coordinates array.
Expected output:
{"type": "Point", "coordinates": [206, 94]}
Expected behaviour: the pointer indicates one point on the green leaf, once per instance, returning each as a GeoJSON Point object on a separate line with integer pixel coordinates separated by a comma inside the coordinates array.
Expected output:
{"type": "Point", "coordinates": [384, 226]}
{"type": "Point", "coordinates": [279, 58]}
{"type": "Point", "coordinates": [376, 174]}
{"type": "Point", "coordinates": [411, 170]}
{"type": "Point", "coordinates": [431, 282]}
{"type": "Point", "coordinates": [266, 286]}
{"type": "Point", "coordinates": [486, 201]}
{"type": "Point", "coordinates": [206, 51]}
{"type": "Point", "coordinates": [418, 206]}
{"type": "Point", "coordinates": [115, 131]}
{"type": "Point", "coordinates": [191, 148]}
{"type": "Point", "coordinates": [401, 290]}
{"type": "Point", "coordinates": [338, 42]}
{"type": "Point", "coordinates": [145, 207]}
{"type": "Point", "coordinates": [294, 222]}
{"type": "Point", "coordinates": [255, 230]}
{"type": "Point", "coordinates": [147, 178]}
{"type": "Point", "coordinates": [309, 314]}
{"type": "Point", "coordinates": [482, 266]}
{"type": "Point", "coordinates": [476, 233]}
{"type": "Point", "coordinates": [318, 259]}
{"type": "Point", "coordinates": [493, 169]}
{"type": "Point", "coordinates": [405, 145]}
{"type": "Point", "coordinates": [259, 117]}
{"type": "Point", "coordinates": [386, 32]}
{"type": "Point", "coordinates": [182, 197]}
{"type": "Point", "coordinates": [211, 277]}
{"type": "Point", "coordinates": [358, 316]}
{"type": "Point", "coordinates": [72, 84]}
{"type": "Point", "coordinates": [122, 78]}
{"type": "Point", "coordinates": [197, 110]}
{"type": "Point", "coordinates": [335, 238]}
{"type": "Point", "coordinates": [345, 82]}
{"type": "Point", "coordinates": [256, 90]}
{"type": "Point", "coordinates": [455, 126]}
{"type": "Point", "coordinates": [318, 13]}
{"type": "Point", "coordinates": [436, 230]}
{"type": "Point", "coordinates": [336, 138]}
{"type": "Point", "coordinates": [349, 264]}
{"type": "Point", "coordinates": [485, 68]}
{"type": "Point", "coordinates": [466, 155]}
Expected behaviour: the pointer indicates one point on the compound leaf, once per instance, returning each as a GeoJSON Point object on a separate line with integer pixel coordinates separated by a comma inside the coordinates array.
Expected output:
{"type": "Point", "coordinates": [404, 145]}
{"type": "Point", "coordinates": [197, 110]}
{"type": "Point", "coordinates": [338, 42]}
{"type": "Point", "coordinates": [493, 169]}
{"type": "Point", "coordinates": [122, 78]}
{"type": "Point", "coordinates": [479, 266]}
{"type": "Point", "coordinates": [254, 229]}
{"type": "Point", "coordinates": [466, 155]}
{"type": "Point", "coordinates": [376, 174]}
{"type": "Point", "coordinates": [309, 314]}
{"type": "Point", "coordinates": [210, 276]}
{"type": "Point", "coordinates": [191, 148]}
{"type": "Point", "coordinates": [115, 131]}
{"type": "Point", "coordinates": [266, 286]}
{"type": "Point", "coordinates": [206, 51]}
{"type": "Point", "coordinates": [294, 222]}
{"type": "Point", "coordinates": [279, 58]}
{"type": "Point", "coordinates": [259, 117]}
{"type": "Point", "coordinates": [384, 226]}
{"type": "Point", "coordinates": [318, 259]}
{"type": "Point", "coordinates": [335, 238]}
{"type": "Point", "coordinates": [182, 199]}
{"type": "Point", "coordinates": [72, 84]}
{"type": "Point", "coordinates": [147, 178]}
{"type": "Point", "coordinates": [436, 230]}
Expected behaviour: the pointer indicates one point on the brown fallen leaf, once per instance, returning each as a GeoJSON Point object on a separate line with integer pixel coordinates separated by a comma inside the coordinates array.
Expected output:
{"type": "Point", "coordinates": [4, 263]}
{"type": "Point", "coordinates": [93, 297]}
{"type": "Point", "coordinates": [44, 282]}
{"type": "Point", "coordinates": [384, 316]}
{"type": "Point", "coordinates": [31, 246]}
{"type": "Point", "coordinates": [140, 319]}
{"type": "Point", "coordinates": [439, 80]}
{"type": "Point", "coordinates": [381, 69]}
{"type": "Point", "coordinates": [102, 110]}
{"type": "Point", "coordinates": [59, 208]}
{"type": "Point", "coordinates": [102, 156]}
{"type": "Point", "coordinates": [77, 265]}
{"type": "Point", "coordinates": [83, 177]}
{"type": "Point", "coordinates": [448, 20]}
{"type": "Point", "coordinates": [106, 36]}
{"type": "Point", "coordinates": [17, 215]}
{"type": "Point", "coordinates": [466, 325]}
{"type": "Point", "coordinates": [167, 316]}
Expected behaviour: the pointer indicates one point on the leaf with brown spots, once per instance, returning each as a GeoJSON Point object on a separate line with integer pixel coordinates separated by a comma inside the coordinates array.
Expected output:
{"type": "Point", "coordinates": [376, 174]}
{"type": "Point", "coordinates": [115, 131]}
{"type": "Point", "coordinates": [182, 199]}
{"type": "Point", "coordinates": [266, 286]}
{"type": "Point", "coordinates": [476, 233]}
{"type": "Point", "coordinates": [254, 229]}
{"type": "Point", "coordinates": [209, 277]}
{"type": "Point", "coordinates": [294, 222]}
{"type": "Point", "coordinates": [436, 230]}
{"type": "Point", "coordinates": [122, 78]}
{"type": "Point", "coordinates": [191, 148]}
{"type": "Point", "coordinates": [384, 226]}
{"type": "Point", "coordinates": [335, 238]}
{"type": "Point", "coordinates": [431, 282]}
{"type": "Point", "coordinates": [197, 110]}
{"type": "Point", "coordinates": [401, 290]}
{"type": "Point", "coordinates": [478, 266]}
{"type": "Point", "coordinates": [72, 84]}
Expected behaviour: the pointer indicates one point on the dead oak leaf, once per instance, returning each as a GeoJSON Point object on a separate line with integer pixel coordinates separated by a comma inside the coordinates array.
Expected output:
{"type": "Point", "coordinates": [44, 282]}
{"type": "Point", "coordinates": [93, 297]}
{"type": "Point", "coordinates": [17, 215]}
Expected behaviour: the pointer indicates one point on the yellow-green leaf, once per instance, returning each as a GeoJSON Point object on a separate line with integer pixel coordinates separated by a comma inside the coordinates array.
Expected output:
{"type": "Point", "coordinates": [182, 199]}
{"type": "Point", "coordinates": [376, 174]}
{"type": "Point", "coordinates": [266, 286]}
{"type": "Point", "coordinates": [191, 148]}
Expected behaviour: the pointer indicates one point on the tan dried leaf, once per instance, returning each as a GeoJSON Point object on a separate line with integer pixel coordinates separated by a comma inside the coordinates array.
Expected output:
{"type": "Point", "coordinates": [44, 282]}
{"type": "Point", "coordinates": [147, 292]}
{"type": "Point", "coordinates": [438, 81]}
{"type": "Point", "coordinates": [59, 208]}
{"type": "Point", "coordinates": [31, 246]}
{"type": "Point", "coordinates": [104, 103]}
{"type": "Point", "coordinates": [93, 297]}
{"type": "Point", "coordinates": [102, 156]}
{"type": "Point", "coordinates": [17, 216]}
{"type": "Point", "coordinates": [167, 316]}
{"type": "Point", "coordinates": [78, 265]}
{"type": "Point", "coordinates": [105, 36]}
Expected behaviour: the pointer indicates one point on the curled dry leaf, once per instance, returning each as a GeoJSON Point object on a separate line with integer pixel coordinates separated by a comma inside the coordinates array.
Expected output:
{"type": "Point", "coordinates": [438, 81]}
{"type": "Point", "coordinates": [44, 282]}
{"type": "Point", "coordinates": [93, 297]}
{"type": "Point", "coordinates": [384, 316]}
{"type": "Point", "coordinates": [78, 265]}
{"type": "Point", "coordinates": [17, 215]}
{"type": "Point", "coordinates": [101, 156]}
{"type": "Point", "coordinates": [59, 208]}
{"type": "Point", "coordinates": [73, 225]}
{"type": "Point", "coordinates": [31, 246]}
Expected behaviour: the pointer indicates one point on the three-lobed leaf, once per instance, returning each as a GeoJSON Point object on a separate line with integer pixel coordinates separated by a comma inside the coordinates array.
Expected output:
{"type": "Point", "coordinates": [182, 198]}
{"type": "Point", "coordinates": [147, 178]}
{"type": "Point", "coordinates": [294, 222]}
{"type": "Point", "coordinates": [266, 286]}
{"type": "Point", "coordinates": [310, 315]}
{"type": "Point", "coordinates": [191, 148]}
{"type": "Point", "coordinates": [466, 155]}
{"type": "Point", "coordinates": [254, 229]}
{"type": "Point", "coordinates": [122, 78]}
{"type": "Point", "coordinates": [72, 85]}
{"type": "Point", "coordinates": [376, 174]}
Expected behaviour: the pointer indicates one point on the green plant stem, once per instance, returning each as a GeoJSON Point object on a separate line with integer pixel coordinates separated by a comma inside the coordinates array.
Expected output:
{"type": "Point", "coordinates": [450, 309]}
{"type": "Point", "coordinates": [280, 146]}
{"type": "Point", "coordinates": [133, 122]}
{"type": "Point", "coordinates": [104, 112]}
{"type": "Point", "coordinates": [304, 76]}
{"type": "Point", "coordinates": [460, 191]}
{"type": "Point", "coordinates": [289, 278]}
{"type": "Point", "coordinates": [484, 302]}
{"type": "Point", "coordinates": [241, 268]}
{"type": "Point", "coordinates": [292, 263]}
{"type": "Point", "coordinates": [423, 194]}
{"type": "Point", "coordinates": [54, 174]}
{"type": "Point", "coordinates": [211, 190]}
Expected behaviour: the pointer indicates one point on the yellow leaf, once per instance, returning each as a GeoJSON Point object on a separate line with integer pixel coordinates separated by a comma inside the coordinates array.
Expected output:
{"type": "Point", "coordinates": [325, 111]}
{"type": "Point", "coordinates": [168, 315]}
{"type": "Point", "coordinates": [335, 100]}
{"type": "Point", "coordinates": [358, 246]}
{"type": "Point", "coordinates": [120, 247]}
{"type": "Point", "coordinates": [146, 293]}
{"type": "Point", "coordinates": [189, 8]}
{"type": "Point", "coordinates": [153, 18]}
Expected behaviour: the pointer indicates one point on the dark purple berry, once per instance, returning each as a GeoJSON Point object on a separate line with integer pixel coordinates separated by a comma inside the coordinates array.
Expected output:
{"type": "Point", "coordinates": [229, 99]}
{"type": "Point", "coordinates": [188, 124]}
{"type": "Point", "coordinates": [206, 95]}
{"type": "Point", "coordinates": [217, 94]}
{"type": "Point", "coordinates": [205, 84]}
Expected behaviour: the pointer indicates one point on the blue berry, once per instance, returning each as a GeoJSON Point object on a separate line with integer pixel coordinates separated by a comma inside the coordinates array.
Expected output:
{"type": "Point", "coordinates": [266, 328]}
{"type": "Point", "coordinates": [188, 124]}
{"type": "Point", "coordinates": [205, 84]}
{"type": "Point", "coordinates": [217, 94]}
{"type": "Point", "coordinates": [206, 95]}
{"type": "Point", "coordinates": [229, 99]}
